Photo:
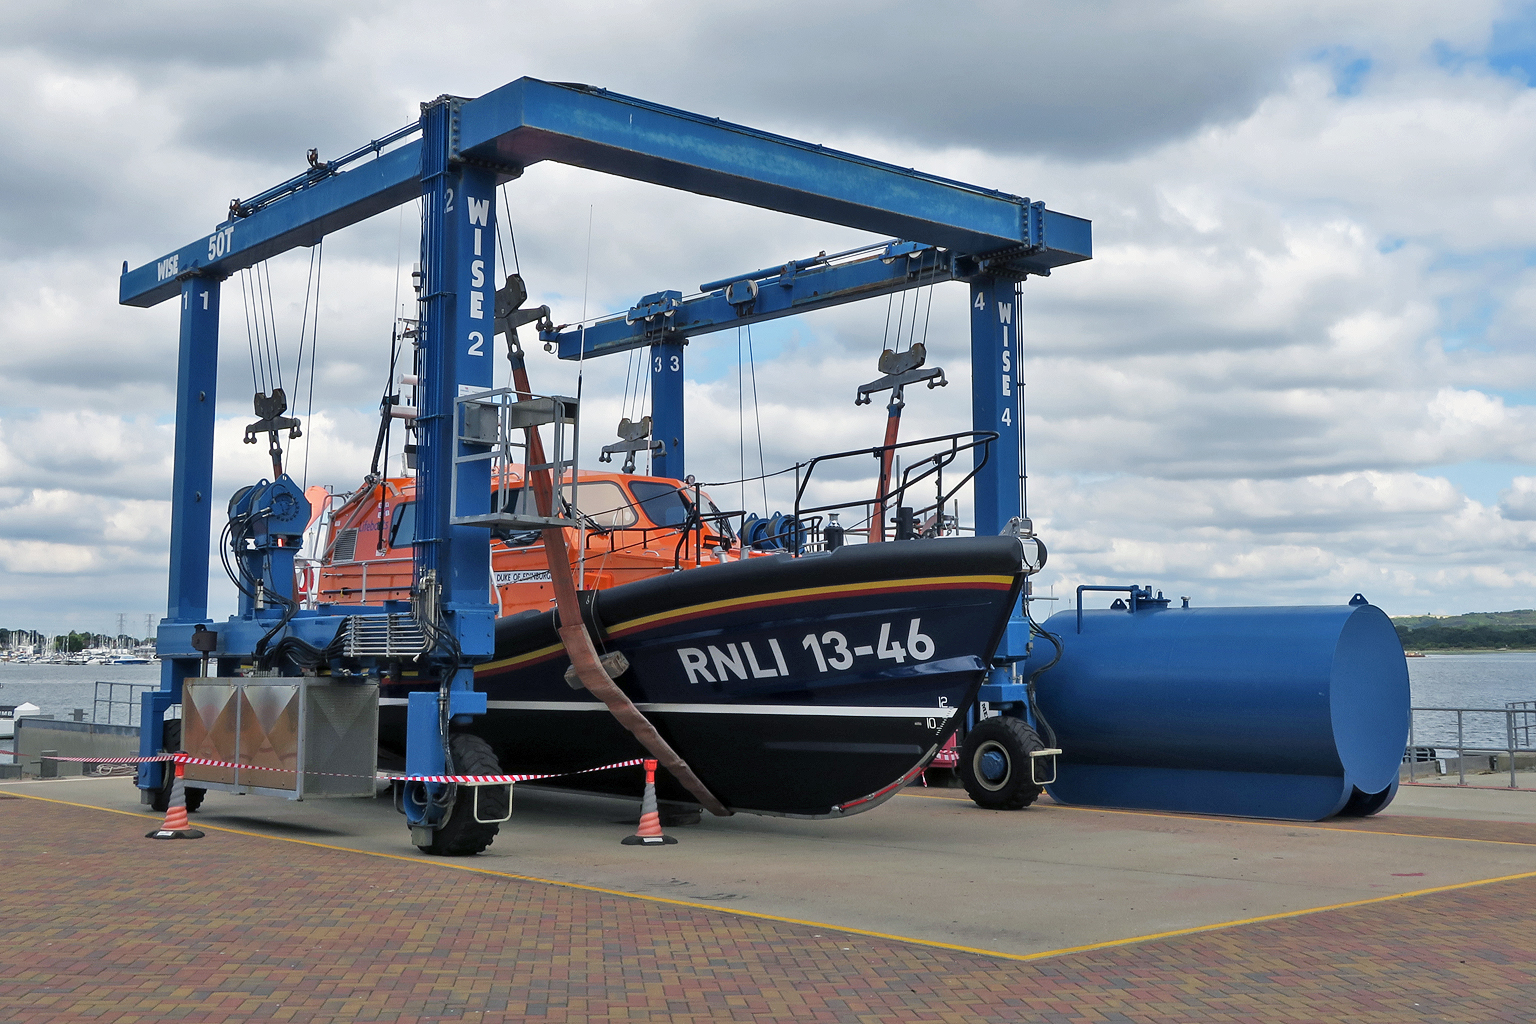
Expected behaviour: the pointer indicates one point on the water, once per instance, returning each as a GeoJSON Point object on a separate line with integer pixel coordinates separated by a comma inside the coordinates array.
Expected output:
{"type": "Point", "coordinates": [58, 689]}
{"type": "Point", "coordinates": [1470, 681]}
{"type": "Point", "coordinates": [1437, 680]}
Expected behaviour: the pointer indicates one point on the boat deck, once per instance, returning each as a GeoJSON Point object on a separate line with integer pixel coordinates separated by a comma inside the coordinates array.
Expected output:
{"type": "Point", "coordinates": [927, 909]}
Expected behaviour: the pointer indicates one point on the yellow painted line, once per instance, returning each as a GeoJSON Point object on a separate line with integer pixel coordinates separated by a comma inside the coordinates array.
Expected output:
{"type": "Point", "coordinates": [839, 929]}
{"type": "Point", "coordinates": [783, 595]}
{"type": "Point", "coordinates": [519, 659]}
{"type": "Point", "coordinates": [1177, 816]}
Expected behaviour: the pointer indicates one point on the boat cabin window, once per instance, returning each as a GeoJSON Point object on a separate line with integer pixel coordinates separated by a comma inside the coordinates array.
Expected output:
{"type": "Point", "coordinates": [662, 503]}
{"type": "Point", "coordinates": [511, 499]}
{"type": "Point", "coordinates": [518, 500]}
{"type": "Point", "coordinates": [402, 526]}
{"type": "Point", "coordinates": [605, 503]}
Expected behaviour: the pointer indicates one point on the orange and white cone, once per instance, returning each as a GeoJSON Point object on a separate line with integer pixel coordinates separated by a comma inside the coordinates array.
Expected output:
{"type": "Point", "coordinates": [176, 824]}
{"type": "Point", "coordinates": [649, 832]}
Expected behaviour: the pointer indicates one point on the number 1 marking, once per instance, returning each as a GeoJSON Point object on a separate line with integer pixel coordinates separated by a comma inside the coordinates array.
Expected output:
{"type": "Point", "coordinates": [810, 644]}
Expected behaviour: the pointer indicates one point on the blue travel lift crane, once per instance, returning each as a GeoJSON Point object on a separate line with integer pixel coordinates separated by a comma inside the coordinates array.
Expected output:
{"type": "Point", "coordinates": [946, 230]}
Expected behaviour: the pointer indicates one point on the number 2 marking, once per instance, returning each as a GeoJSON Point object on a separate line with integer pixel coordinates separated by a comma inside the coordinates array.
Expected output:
{"type": "Point", "coordinates": [448, 207]}
{"type": "Point", "coordinates": [476, 341]}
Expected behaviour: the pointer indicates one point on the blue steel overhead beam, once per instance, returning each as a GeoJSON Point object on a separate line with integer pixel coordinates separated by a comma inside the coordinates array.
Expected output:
{"type": "Point", "coordinates": [775, 293]}
{"type": "Point", "coordinates": [529, 121]}
{"type": "Point", "coordinates": [299, 219]}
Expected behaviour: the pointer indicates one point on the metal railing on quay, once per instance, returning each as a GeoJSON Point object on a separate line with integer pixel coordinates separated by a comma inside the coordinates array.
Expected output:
{"type": "Point", "coordinates": [114, 699]}
{"type": "Point", "coordinates": [1517, 719]}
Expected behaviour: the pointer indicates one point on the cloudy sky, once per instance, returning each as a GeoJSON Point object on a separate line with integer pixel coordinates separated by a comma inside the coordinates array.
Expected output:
{"type": "Point", "coordinates": [1299, 366]}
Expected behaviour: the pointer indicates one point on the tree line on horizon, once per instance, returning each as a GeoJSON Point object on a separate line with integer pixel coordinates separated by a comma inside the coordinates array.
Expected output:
{"type": "Point", "coordinates": [1429, 638]}
{"type": "Point", "coordinates": [71, 642]}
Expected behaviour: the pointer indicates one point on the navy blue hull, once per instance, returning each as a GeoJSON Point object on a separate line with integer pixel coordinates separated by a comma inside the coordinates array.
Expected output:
{"type": "Point", "coordinates": [805, 686]}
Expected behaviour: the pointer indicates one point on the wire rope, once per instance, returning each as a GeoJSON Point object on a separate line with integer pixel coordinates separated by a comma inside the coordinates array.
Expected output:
{"type": "Point", "coordinates": [757, 412]}
{"type": "Point", "coordinates": [506, 205]}
{"type": "Point", "coordinates": [263, 283]}
{"type": "Point", "coordinates": [890, 304]}
{"type": "Point", "coordinates": [741, 424]}
{"type": "Point", "coordinates": [314, 341]}
{"type": "Point", "coordinates": [1018, 335]}
{"type": "Point", "coordinates": [250, 335]}
{"type": "Point", "coordinates": [645, 383]}
{"type": "Point", "coordinates": [928, 312]}
{"type": "Point", "coordinates": [309, 284]}
{"type": "Point", "coordinates": [581, 369]}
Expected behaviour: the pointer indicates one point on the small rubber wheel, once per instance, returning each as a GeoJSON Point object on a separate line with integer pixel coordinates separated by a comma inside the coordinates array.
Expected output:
{"type": "Point", "coordinates": [995, 764]}
{"type": "Point", "coordinates": [171, 743]}
{"type": "Point", "coordinates": [461, 835]}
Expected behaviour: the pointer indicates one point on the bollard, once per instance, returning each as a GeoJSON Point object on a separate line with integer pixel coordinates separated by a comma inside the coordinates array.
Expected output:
{"type": "Point", "coordinates": [47, 768]}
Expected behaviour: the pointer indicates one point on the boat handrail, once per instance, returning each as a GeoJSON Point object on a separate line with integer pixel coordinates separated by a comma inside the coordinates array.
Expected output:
{"type": "Point", "coordinates": [959, 443]}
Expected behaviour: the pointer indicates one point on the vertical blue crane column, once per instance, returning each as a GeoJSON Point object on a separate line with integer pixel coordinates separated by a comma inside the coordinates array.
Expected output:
{"type": "Point", "coordinates": [197, 365]}
{"type": "Point", "coordinates": [995, 406]}
{"type": "Point", "coordinates": [458, 245]}
{"type": "Point", "coordinates": [667, 405]}
{"type": "Point", "coordinates": [995, 400]}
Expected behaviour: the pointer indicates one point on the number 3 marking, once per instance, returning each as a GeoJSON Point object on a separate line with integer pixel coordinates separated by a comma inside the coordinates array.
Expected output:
{"type": "Point", "coordinates": [476, 340]}
{"type": "Point", "coordinates": [842, 657]}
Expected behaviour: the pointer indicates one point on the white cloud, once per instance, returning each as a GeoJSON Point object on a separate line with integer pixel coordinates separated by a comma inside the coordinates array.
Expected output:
{"type": "Point", "coordinates": [1309, 303]}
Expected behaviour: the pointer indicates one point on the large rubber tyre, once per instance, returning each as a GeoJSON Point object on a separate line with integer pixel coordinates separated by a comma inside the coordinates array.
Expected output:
{"type": "Point", "coordinates": [995, 764]}
{"type": "Point", "coordinates": [161, 800]}
{"type": "Point", "coordinates": [461, 835]}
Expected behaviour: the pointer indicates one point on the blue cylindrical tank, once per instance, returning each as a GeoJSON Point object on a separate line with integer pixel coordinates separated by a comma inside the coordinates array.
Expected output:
{"type": "Point", "coordinates": [1267, 712]}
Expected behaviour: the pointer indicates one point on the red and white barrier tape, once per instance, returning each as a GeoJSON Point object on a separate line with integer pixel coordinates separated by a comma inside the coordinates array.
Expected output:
{"type": "Point", "coordinates": [483, 779]}
{"type": "Point", "coordinates": [102, 760]}
{"type": "Point", "coordinates": [463, 779]}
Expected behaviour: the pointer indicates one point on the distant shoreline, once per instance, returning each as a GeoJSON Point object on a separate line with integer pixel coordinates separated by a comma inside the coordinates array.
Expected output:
{"type": "Point", "coordinates": [1469, 650]}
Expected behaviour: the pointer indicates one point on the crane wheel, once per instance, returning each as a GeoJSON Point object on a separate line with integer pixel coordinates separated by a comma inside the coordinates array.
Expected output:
{"type": "Point", "coordinates": [995, 764]}
{"type": "Point", "coordinates": [171, 743]}
{"type": "Point", "coordinates": [461, 835]}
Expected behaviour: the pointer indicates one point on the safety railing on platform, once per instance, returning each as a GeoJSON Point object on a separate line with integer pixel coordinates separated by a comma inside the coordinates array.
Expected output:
{"type": "Point", "coordinates": [1490, 732]}
{"type": "Point", "coordinates": [1525, 719]}
{"type": "Point", "coordinates": [114, 701]}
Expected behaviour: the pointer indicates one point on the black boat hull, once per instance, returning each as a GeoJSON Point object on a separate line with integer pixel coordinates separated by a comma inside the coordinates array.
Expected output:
{"type": "Point", "coordinates": [810, 686]}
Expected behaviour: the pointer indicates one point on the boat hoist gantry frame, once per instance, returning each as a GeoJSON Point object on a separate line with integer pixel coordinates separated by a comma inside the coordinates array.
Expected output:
{"type": "Point", "coordinates": [453, 159]}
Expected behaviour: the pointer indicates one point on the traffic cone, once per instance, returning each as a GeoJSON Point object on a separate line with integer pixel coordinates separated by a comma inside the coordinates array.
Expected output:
{"type": "Point", "coordinates": [176, 825]}
{"type": "Point", "coordinates": [649, 832]}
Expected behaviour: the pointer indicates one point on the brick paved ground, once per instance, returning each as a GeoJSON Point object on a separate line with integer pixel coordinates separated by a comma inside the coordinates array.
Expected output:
{"type": "Point", "coordinates": [237, 928]}
{"type": "Point", "coordinates": [1493, 831]}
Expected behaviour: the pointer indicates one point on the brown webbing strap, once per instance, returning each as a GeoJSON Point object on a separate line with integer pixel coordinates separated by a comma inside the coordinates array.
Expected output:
{"type": "Point", "coordinates": [583, 655]}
